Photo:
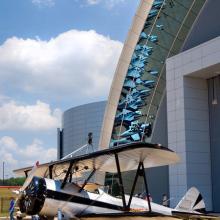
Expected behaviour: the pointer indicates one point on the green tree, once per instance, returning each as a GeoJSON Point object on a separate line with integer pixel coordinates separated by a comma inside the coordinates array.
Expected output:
{"type": "Point", "coordinates": [18, 181]}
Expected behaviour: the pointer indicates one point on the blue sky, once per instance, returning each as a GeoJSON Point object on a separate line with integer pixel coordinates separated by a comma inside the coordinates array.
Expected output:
{"type": "Point", "coordinates": [27, 18]}
{"type": "Point", "coordinates": [54, 54]}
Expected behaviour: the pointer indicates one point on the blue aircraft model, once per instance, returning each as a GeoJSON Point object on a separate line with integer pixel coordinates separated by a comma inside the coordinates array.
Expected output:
{"type": "Point", "coordinates": [138, 63]}
{"type": "Point", "coordinates": [147, 24]}
{"type": "Point", "coordinates": [127, 116]}
{"type": "Point", "coordinates": [134, 100]}
{"type": "Point", "coordinates": [134, 73]}
{"type": "Point", "coordinates": [159, 26]}
{"type": "Point", "coordinates": [132, 104]}
{"type": "Point", "coordinates": [137, 130]}
{"type": "Point", "coordinates": [153, 72]}
{"type": "Point", "coordinates": [146, 83]}
{"type": "Point", "coordinates": [136, 105]}
{"type": "Point", "coordinates": [146, 50]}
{"type": "Point", "coordinates": [119, 142]}
{"type": "Point", "coordinates": [157, 4]}
{"type": "Point", "coordinates": [135, 93]}
{"type": "Point", "coordinates": [153, 12]}
{"type": "Point", "coordinates": [129, 84]}
{"type": "Point", "coordinates": [151, 38]}
{"type": "Point", "coordinates": [142, 57]}
{"type": "Point", "coordinates": [134, 57]}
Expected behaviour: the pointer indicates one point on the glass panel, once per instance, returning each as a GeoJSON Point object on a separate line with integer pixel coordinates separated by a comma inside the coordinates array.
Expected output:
{"type": "Point", "coordinates": [163, 34]}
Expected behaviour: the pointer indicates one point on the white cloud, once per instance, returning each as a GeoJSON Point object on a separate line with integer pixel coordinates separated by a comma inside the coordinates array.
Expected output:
{"type": "Point", "coordinates": [28, 117]}
{"type": "Point", "coordinates": [93, 2]}
{"type": "Point", "coordinates": [35, 150]}
{"type": "Point", "coordinates": [72, 65]}
{"type": "Point", "coordinates": [4, 99]}
{"type": "Point", "coordinates": [108, 3]}
{"type": "Point", "coordinates": [8, 147]}
{"type": "Point", "coordinates": [22, 157]}
{"type": "Point", "coordinates": [8, 143]}
{"type": "Point", "coordinates": [9, 159]}
{"type": "Point", "coordinates": [44, 3]}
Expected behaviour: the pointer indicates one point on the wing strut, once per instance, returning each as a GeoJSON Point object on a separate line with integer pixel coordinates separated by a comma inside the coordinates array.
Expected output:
{"type": "Point", "coordinates": [140, 172]}
{"type": "Point", "coordinates": [146, 186]}
{"type": "Point", "coordinates": [26, 173]}
{"type": "Point", "coordinates": [51, 172]}
{"type": "Point", "coordinates": [67, 175]}
{"type": "Point", "coordinates": [120, 181]}
{"type": "Point", "coordinates": [134, 185]}
{"type": "Point", "coordinates": [86, 181]}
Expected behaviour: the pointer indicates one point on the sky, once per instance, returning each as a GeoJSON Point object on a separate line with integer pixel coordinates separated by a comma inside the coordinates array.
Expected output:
{"type": "Point", "coordinates": [54, 55]}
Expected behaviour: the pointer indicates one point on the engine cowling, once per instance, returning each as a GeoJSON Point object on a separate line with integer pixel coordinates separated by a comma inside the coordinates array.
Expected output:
{"type": "Point", "coordinates": [33, 197]}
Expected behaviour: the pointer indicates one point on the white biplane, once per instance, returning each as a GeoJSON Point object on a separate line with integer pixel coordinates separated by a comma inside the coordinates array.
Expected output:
{"type": "Point", "coordinates": [50, 189]}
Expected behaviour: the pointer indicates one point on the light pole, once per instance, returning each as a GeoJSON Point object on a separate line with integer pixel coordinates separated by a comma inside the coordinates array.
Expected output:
{"type": "Point", "coordinates": [3, 173]}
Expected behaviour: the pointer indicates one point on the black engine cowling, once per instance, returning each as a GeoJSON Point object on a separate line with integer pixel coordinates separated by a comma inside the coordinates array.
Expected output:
{"type": "Point", "coordinates": [33, 197]}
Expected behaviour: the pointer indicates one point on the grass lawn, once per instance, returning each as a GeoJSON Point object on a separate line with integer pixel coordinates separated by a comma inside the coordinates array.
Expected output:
{"type": "Point", "coordinates": [5, 197]}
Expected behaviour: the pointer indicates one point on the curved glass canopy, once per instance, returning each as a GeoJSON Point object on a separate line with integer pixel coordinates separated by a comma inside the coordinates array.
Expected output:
{"type": "Point", "coordinates": [165, 30]}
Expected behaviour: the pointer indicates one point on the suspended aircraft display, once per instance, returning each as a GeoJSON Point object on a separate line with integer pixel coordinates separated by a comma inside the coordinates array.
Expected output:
{"type": "Point", "coordinates": [163, 34]}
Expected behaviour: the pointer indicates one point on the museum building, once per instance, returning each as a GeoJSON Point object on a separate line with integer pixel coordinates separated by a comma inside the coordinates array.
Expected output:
{"type": "Point", "coordinates": [166, 89]}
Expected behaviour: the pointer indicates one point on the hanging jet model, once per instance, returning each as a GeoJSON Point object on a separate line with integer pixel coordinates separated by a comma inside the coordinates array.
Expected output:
{"type": "Point", "coordinates": [131, 103]}
{"type": "Point", "coordinates": [137, 130]}
{"type": "Point", "coordinates": [131, 84]}
{"type": "Point", "coordinates": [151, 38]}
{"type": "Point", "coordinates": [51, 189]}
{"type": "Point", "coordinates": [127, 116]}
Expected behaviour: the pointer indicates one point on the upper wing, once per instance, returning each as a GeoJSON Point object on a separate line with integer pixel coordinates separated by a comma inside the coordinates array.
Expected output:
{"type": "Point", "coordinates": [40, 171]}
{"type": "Point", "coordinates": [129, 155]}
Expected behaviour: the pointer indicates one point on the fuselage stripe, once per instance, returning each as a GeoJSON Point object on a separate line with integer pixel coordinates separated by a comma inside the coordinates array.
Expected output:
{"type": "Point", "coordinates": [80, 200]}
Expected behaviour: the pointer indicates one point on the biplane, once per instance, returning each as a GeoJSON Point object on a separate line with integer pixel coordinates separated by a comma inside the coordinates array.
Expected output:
{"type": "Point", "coordinates": [50, 189]}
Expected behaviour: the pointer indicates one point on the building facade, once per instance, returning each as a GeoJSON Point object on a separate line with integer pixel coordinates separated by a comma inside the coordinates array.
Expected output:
{"type": "Point", "coordinates": [166, 89]}
{"type": "Point", "coordinates": [77, 123]}
{"type": "Point", "coordinates": [163, 90]}
{"type": "Point", "coordinates": [193, 92]}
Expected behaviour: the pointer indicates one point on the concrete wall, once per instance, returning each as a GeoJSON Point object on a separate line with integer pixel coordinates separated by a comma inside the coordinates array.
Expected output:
{"type": "Point", "coordinates": [78, 122]}
{"type": "Point", "coordinates": [188, 118]}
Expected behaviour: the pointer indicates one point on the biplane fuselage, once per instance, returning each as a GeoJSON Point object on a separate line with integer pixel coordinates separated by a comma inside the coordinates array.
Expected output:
{"type": "Point", "coordinates": [50, 188]}
{"type": "Point", "coordinates": [45, 197]}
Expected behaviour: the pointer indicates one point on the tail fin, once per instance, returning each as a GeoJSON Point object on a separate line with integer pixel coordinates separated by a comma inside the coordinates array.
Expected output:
{"type": "Point", "coordinates": [191, 202]}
